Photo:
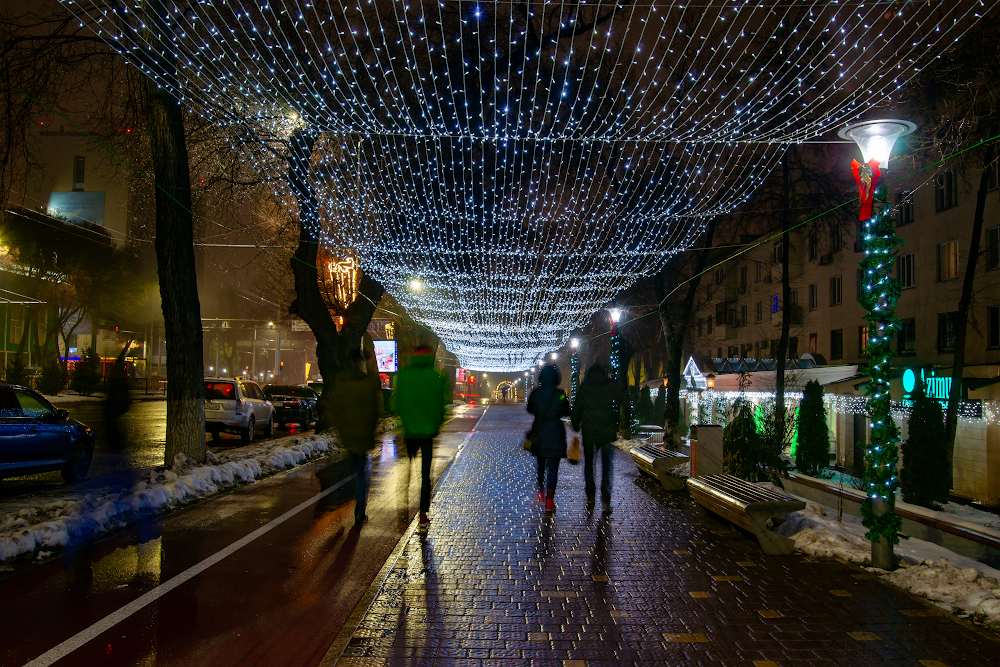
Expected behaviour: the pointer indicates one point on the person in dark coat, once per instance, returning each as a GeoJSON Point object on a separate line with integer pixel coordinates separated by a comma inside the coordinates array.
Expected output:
{"type": "Point", "coordinates": [596, 412]}
{"type": "Point", "coordinates": [549, 405]}
{"type": "Point", "coordinates": [356, 395]}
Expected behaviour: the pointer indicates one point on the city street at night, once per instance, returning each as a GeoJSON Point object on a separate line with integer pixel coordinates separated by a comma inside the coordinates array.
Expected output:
{"type": "Point", "coordinates": [474, 333]}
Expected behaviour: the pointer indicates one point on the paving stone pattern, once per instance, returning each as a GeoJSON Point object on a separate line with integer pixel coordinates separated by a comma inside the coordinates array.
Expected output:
{"type": "Point", "coordinates": [497, 581]}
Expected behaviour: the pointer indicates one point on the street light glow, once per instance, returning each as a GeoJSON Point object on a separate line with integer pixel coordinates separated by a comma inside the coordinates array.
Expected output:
{"type": "Point", "coordinates": [574, 343]}
{"type": "Point", "coordinates": [875, 138]}
{"type": "Point", "coordinates": [416, 285]}
{"type": "Point", "coordinates": [616, 315]}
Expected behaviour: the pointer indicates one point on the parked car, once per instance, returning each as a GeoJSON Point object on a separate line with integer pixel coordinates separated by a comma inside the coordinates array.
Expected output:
{"type": "Point", "coordinates": [292, 403]}
{"type": "Point", "coordinates": [316, 385]}
{"type": "Point", "coordinates": [36, 437]}
{"type": "Point", "coordinates": [238, 405]}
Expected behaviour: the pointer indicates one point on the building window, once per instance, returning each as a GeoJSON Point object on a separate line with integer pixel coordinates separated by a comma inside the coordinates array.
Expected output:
{"type": "Point", "coordinates": [813, 296]}
{"type": "Point", "coordinates": [945, 191]}
{"type": "Point", "coordinates": [947, 332]}
{"type": "Point", "coordinates": [907, 342]}
{"type": "Point", "coordinates": [743, 279]}
{"type": "Point", "coordinates": [733, 351]}
{"type": "Point", "coordinates": [79, 169]}
{"type": "Point", "coordinates": [793, 347]}
{"type": "Point", "coordinates": [746, 350]}
{"type": "Point", "coordinates": [813, 246]}
{"type": "Point", "coordinates": [16, 323]}
{"type": "Point", "coordinates": [743, 316]}
{"type": "Point", "coordinates": [759, 311]}
{"type": "Point", "coordinates": [905, 265]}
{"type": "Point", "coordinates": [708, 324]}
{"type": "Point", "coordinates": [948, 260]}
{"type": "Point", "coordinates": [778, 252]}
{"type": "Point", "coordinates": [758, 270]}
{"type": "Point", "coordinates": [993, 248]}
{"type": "Point", "coordinates": [813, 343]}
{"type": "Point", "coordinates": [836, 290]}
{"type": "Point", "coordinates": [718, 351]}
{"type": "Point", "coordinates": [701, 322]}
{"type": "Point", "coordinates": [835, 238]}
{"type": "Point", "coordinates": [862, 338]}
{"type": "Point", "coordinates": [762, 347]}
{"type": "Point", "coordinates": [720, 314]}
{"type": "Point", "coordinates": [904, 208]}
{"type": "Point", "coordinates": [993, 327]}
{"type": "Point", "coordinates": [837, 344]}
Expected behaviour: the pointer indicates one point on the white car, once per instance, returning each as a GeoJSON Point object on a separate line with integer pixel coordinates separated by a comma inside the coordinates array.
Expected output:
{"type": "Point", "coordinates": [237, 404]}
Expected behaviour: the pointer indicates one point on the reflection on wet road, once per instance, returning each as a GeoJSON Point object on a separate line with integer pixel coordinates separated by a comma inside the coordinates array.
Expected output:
{"type": "Point", "coordinates": [144, 428]}
{"type": "Point", "coordinates": [280, 598]}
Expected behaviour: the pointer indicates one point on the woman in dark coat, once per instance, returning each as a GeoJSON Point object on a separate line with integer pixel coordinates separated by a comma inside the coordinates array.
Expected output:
{"type": "Point", "coordinates": [549, 405]}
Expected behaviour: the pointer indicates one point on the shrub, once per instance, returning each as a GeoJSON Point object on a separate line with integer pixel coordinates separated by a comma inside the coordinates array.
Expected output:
{"type": "Point", "coordinates": [812, 451]}
{"type": "Point", "coordinates": [749, 454]}
{"type": "Point", "coordinates": [645, 406]}
{"type": "Point", "coordinates": [924, 478]}
{"type": "Point", "coordinates": [53, 377]}
{"type": "Point", "coordinates": [87, 376]}
{"type": "Point", "coordinates": [17, 372]}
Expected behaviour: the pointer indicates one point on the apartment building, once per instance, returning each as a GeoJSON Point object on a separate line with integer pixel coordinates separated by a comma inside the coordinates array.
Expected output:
{"type": "Point", "coordinates": [741, 310]}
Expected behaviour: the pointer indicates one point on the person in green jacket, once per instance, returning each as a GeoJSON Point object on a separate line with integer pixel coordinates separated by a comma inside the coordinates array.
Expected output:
{"type": "Point", "coordinates": [356, 394]}
{"type": "Point", "coordinates": [420, 401]}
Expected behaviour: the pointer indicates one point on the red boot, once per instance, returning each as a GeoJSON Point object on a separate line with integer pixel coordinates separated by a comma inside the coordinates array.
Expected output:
{"type": "Point", "coordinates": [550, 503]}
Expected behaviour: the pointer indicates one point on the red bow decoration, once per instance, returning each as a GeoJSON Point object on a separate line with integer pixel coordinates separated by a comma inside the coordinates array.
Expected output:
{"type": "Point", "coordinates": [867, 177]}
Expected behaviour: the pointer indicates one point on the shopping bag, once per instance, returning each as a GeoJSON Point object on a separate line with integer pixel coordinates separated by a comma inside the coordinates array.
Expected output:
{"type": "Point", "coordinates": [573, 453]}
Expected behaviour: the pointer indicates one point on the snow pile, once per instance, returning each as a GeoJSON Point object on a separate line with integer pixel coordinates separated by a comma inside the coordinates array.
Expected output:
{"type": "Point", "coordinates": [954, 582]}
{"type": "Point", "coordinates": [78, 515]}
{"type": "Point", "coordinates": [683, 470]}
{"type": "Point", "coordinates": [972, 515]}
{"type": "Point", "coordinates": [386, 424]}
{"type": "Point", "coordinates": [628, 445]}
{"type": "Point", "coordinates": [951, 587]}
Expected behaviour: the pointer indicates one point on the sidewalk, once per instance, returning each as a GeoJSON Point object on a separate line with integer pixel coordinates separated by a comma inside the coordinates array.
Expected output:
{"type": "Point", "coordinates": [658, 581]}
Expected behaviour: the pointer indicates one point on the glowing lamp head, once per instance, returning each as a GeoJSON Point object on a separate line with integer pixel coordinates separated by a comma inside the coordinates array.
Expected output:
{"type": "Point", "coordinates": [710, 381]}
{"type": "Point", "coordinates": [554, 356]}
{"type": "Point", "coordinates": [616, 315]}
{"type": "Point", "coordinates": [416, 285]}
{"type": "Point", "coordinates": [875, 138]}
{"type": "Point", "coordinates": [574, 343]}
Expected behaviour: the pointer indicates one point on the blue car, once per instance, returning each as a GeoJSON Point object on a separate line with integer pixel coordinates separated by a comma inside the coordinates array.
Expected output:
{"type": "Point", "coordinates": [36, 437]}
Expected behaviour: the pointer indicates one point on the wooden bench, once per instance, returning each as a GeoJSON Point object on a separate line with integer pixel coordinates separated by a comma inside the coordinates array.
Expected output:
{"type": "Point", "coordinates": [658, 462]}
{"type": "Point", "coordinates": [747, 505]}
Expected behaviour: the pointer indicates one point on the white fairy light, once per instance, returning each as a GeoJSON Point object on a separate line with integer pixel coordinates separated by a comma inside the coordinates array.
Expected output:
{"type": "Point", "coordinates": [526, 183]}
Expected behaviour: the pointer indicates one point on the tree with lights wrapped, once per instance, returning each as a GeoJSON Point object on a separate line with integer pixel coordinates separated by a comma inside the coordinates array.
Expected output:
{"type": "Point", "coordinates": [813, 451]}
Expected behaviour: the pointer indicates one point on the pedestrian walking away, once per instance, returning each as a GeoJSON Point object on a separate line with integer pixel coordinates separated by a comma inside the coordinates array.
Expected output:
{"type": "Point", "coordinates": [596, 412]}
{"type": "Point", "coordinates": [356, 412]}
{"type": "Point", "coordinates": [420, 399]}
{"type": "Point", "coordinates": [549, 405]}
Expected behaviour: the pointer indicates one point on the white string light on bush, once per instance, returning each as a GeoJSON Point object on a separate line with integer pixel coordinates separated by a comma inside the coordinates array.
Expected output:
{"type": "Point", "coordinates": [525, 182]}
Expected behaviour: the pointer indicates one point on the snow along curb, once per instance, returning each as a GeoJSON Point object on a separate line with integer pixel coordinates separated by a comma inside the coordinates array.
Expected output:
{"type": "Point", "coordinates": [954, 583]}
{"type": "Point", "coordinates": [83, 514]}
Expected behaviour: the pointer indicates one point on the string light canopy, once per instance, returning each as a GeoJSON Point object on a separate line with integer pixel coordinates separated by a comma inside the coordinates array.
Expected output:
{"type": "Point", "coordinates": [522, 163]}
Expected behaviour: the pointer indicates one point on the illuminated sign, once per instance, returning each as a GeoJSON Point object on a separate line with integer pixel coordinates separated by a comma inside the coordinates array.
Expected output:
{"type": "Point", "coordinates": [461, 375]}
{"type": "Point", "coordinates": [77, 207]}
{"type": "Point", "coordinates": [935, 386]}
{"type": "Point", "coordinates": [385, 356]}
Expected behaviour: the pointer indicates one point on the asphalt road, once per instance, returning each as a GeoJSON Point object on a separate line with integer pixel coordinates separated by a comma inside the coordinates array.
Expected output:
{"type": "Point", "coordinates": [267, 574]}
{"type": "Point", "coordinates": [145, 429]}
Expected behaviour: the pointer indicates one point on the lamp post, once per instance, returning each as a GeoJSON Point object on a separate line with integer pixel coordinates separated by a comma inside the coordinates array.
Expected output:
{"type": "Point", "coordinates": [878, 296]}
{"type": "Point", "coordinates": [574, 365]}
{"type": "Point", "coordinates": [527, 386]}
{"type": "Point", "coordinates": [615, 315]}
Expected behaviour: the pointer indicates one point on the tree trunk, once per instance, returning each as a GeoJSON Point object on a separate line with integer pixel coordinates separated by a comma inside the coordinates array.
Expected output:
{"type": "Point", "coordinates": [674, 333]}
{"type": "Point", "coordinates": [786, 295]}
{"type": "Point", "coordinates": [332, 347]}
{"type": "Point", "coordinates": [175, 259]}
{"type": "Point", "coordinates": [962, 326]}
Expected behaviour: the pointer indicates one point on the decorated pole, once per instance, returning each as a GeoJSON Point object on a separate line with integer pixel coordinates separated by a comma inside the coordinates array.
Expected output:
{"type": "Point", "coordinates": [615, 314]}
{"type": "Point", "coordinates": [574, 365]}
{"type": "Point", "coordinates": [878, 296]}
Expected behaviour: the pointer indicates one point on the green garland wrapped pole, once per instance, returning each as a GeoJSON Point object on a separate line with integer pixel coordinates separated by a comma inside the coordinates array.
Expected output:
{"type": "Point", "coordinates": [574, 365]}
{"type": "Point", "coordinates": [878, 296]}
{"type": "Point", "coordinates": [615, 314]}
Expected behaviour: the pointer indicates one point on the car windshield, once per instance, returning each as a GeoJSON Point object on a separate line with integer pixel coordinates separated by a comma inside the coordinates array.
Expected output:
{"type": "Point", "coordinates": [217, 390]}
{"type": "Point", "coordinates": [33, 406]}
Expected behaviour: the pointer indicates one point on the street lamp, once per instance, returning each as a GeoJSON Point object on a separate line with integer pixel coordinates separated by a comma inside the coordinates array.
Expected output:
{"type": "Point", "coordinates": [615, 315]}
{"type": "Point", "coordinates": [710, 381]}
{"type": "Point", "coordinates": [875, 138]}
{"type": "Point", "coordinates": [574, 365]}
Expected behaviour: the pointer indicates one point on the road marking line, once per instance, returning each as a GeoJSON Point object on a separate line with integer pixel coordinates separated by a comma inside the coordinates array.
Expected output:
{"type": "Point", "coordinates": [79, 639]}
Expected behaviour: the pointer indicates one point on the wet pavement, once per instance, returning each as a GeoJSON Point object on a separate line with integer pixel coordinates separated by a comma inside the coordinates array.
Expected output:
{"type": "Point", "coordinates": [658, 581]}
{"type": "Point", "coordinates": [144, 428]}
{"type": "Point", "coordinates": [265, 575]}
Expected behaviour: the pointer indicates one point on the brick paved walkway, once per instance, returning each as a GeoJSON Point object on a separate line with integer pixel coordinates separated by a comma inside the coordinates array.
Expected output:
{"type": "Point", "coordinates": [658, 581]}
